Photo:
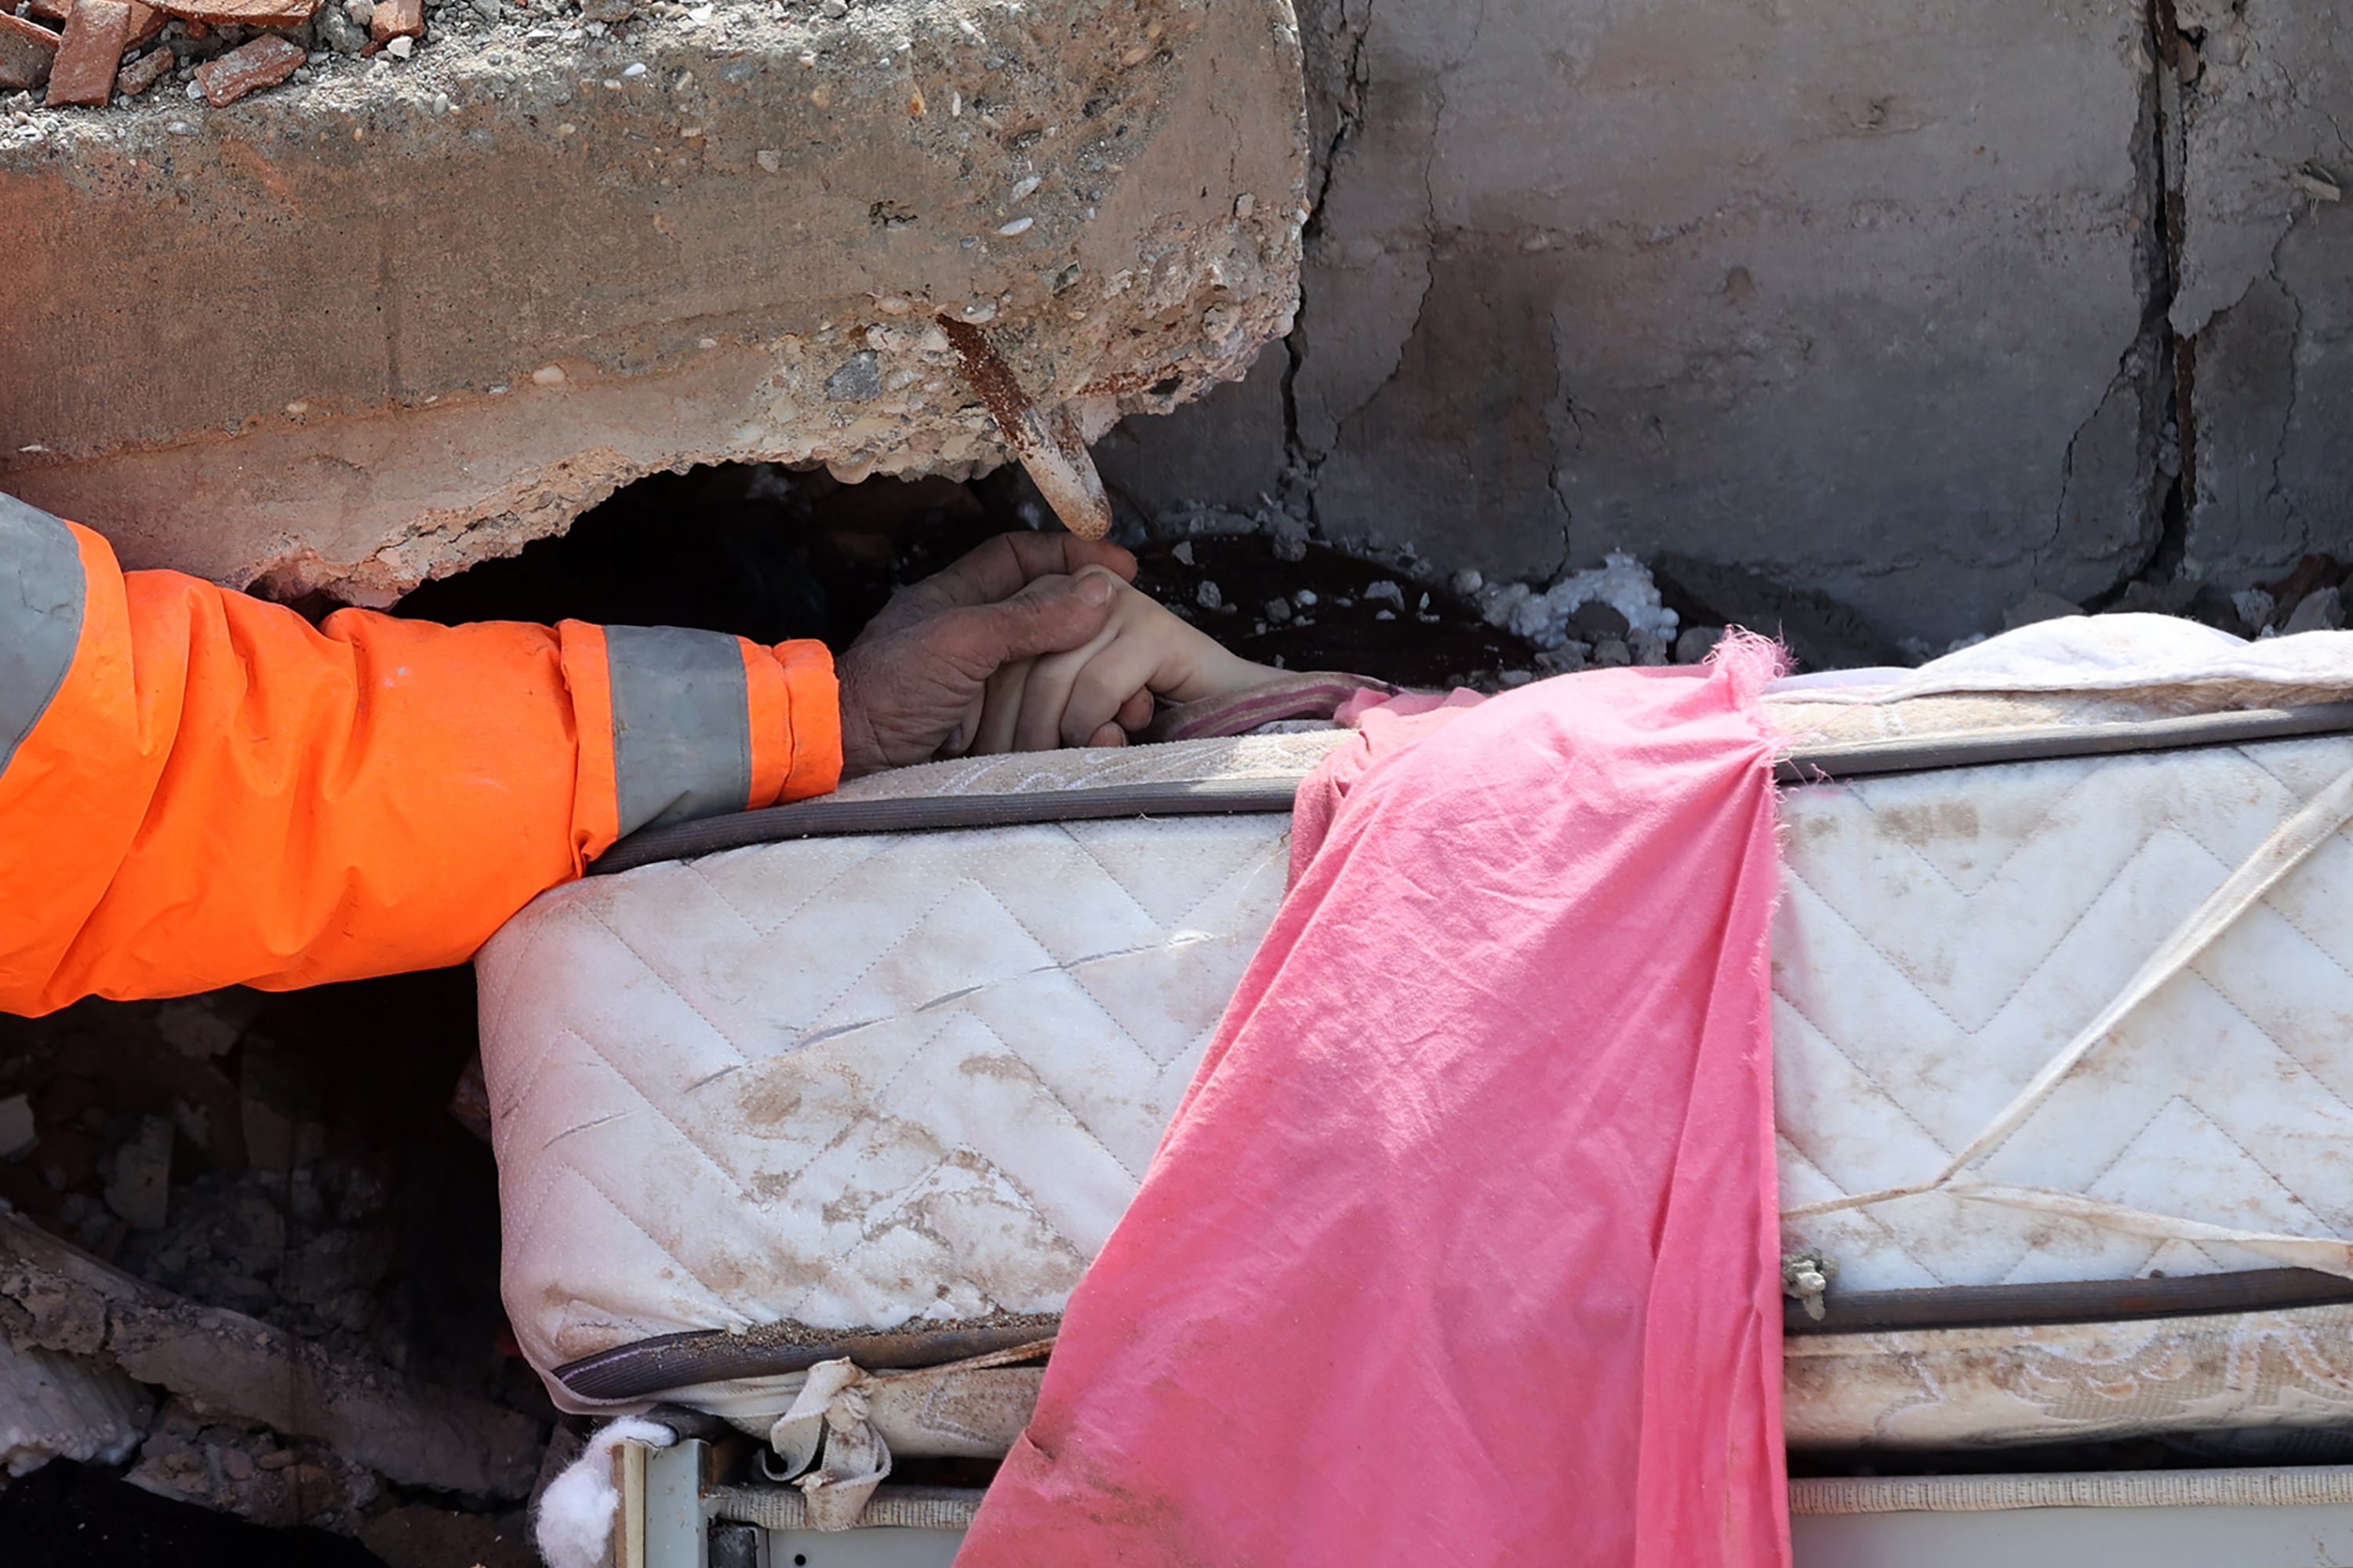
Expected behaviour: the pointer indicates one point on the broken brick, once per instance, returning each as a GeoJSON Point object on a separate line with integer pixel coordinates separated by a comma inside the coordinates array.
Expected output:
{"type": "Point", "coordinates": [146, 25]}
{"type": "Point", "coordinates": [87, 54]}
{"type": "Point", "coordinates": [397, 19]}
{"type": "Point", "coordinates": [143, 73]}
{"type": "Point", "coordinates": [264, 62]}
{"type": "Point", "coordinates": [243, 13]}
{"type": "Point", "coordinates": [26, 53]}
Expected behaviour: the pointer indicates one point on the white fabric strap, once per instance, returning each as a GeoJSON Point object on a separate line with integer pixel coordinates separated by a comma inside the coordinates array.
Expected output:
{"type": "Point", "coordinates": [2328, 1255]}
{"type": "Point", "coordinates": [2288, 847]}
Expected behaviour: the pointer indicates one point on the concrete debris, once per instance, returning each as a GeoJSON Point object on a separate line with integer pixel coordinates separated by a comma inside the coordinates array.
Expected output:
{"type": "Point", "coordinates": [1620, 585]}
{"type": "Point", "coordinates": [209, 1025]}
{"type": "Point", "coordinates": [237, 1468]}
{"type": "Point", "coordinates": [53, 1295]}
{"type": "Point", "coordinates": [54, 1405]}
{"type": "Point", "coordinates": [2323, 609]}
{"type": "Point", "coordinates": [18, 1133]}
{"type": "Point", "coordinates": [140, 1186]}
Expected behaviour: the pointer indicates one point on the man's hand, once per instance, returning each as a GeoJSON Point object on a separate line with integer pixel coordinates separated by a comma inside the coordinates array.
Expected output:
{"type": "Point", "coordinates": [916, 673]}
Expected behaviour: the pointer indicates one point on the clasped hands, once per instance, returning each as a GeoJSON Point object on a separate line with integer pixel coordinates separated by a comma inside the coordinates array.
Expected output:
{"type": "Point", "coordinates": [1031, 641]}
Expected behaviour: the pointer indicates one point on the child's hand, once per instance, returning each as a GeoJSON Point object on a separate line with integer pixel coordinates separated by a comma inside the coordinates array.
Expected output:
{"type": "Point", "coordinates": [1098, 695]}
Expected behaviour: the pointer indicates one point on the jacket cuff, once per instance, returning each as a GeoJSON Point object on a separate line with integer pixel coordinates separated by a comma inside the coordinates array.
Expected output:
{"type": "Point", "coordinates": [796, 712]}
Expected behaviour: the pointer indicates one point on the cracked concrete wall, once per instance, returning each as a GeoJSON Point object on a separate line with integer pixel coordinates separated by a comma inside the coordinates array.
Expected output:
{"type": "Point", "coordinates": [2265, 300]}
{"type": "Point", "coordinates": [1864, 294]}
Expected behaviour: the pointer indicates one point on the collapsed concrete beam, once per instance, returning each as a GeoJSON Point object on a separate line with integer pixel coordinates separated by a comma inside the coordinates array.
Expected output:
{"type": "Point", "coordinates": [356, 332]}
{"type": "Point", "coordinates": [55, 1298]}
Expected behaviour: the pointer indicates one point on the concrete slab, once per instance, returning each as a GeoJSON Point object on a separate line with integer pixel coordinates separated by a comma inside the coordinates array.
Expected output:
{"type": "Point", "coordinates": [354, 332]}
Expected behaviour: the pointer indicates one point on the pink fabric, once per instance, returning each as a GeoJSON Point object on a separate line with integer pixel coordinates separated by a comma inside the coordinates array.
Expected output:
{"type": "Point", "coordinates": [1461, 1249]}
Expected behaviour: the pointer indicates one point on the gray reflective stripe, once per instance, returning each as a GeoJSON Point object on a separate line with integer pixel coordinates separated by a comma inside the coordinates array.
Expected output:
{"type": "Point", "coordinates": [681, 723]}
{"type": "Point", "coordinates": [41, 592]}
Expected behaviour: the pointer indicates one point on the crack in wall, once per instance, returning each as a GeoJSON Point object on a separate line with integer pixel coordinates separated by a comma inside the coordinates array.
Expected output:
{"type": "Point", "coordinates": [2167, 356]}
{"type": "Point", "coordinates": [1348, 119]}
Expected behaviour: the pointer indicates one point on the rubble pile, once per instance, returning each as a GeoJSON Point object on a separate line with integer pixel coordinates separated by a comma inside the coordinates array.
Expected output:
{"type": "Point", "coordinates": [90, 53]}
{"type": "Point", "coordinates": [221, 1271]}
{"type": "Point", "coordinates": [57, 53]}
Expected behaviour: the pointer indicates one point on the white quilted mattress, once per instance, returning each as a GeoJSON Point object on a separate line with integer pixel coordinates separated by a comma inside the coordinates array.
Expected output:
{"type": "Point", "coordinates": [859, 1084]}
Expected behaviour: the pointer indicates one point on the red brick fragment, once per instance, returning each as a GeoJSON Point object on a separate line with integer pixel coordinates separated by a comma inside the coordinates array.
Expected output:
{"type": "Point", "coordinates": [90, 50]}
{"type": "Point", "coordinates": [143, 73]}
{"type": "Point", "coordinates": [26, 52]}
{"type": "Point", "coordinates": [397, 19]}
{"type": "Point", "coordinates": [245, 13]}
{"type": "Point", "coordinates": [265, 62]}
{"type": "Point", "coordinates": [146, 22]}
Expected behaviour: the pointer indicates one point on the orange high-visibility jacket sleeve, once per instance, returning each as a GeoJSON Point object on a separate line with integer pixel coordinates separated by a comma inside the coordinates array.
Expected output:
{"type": "Point", "coordinates": [200, 788]}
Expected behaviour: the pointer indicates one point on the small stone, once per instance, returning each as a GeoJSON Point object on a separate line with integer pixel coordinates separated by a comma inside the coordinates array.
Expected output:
{"type": "Point", "coordinates": [1278, 610]}
{"type": "Point", "coordinates": [235, 1463]}
{"type": "Point", "coordinates": [18, 1134]}
{"type": "Point", "coordinates": [834, 10]}
{"type": "Point", "coordinates": [1245, 204]}
{"type": "Point", "coordinates": [1696, 644]}
{"type": "Point", "coordinates": [1595, 620]}
{"type": "Point", "coordinates": [1611, 653]}
{"type": "Point", "coordinates": [1183, 553]}
{"type": "Point", "coordinates": [440, 104]}
{"type": "Point", "coordinates": [1465, 583]}
{"type": "Point", "coordinates": [611, 12]}
{"type": "Point", "coordinates": [769, 159]}
{"type": "Point", "coordinates": [1305, 599]}
{"type": "Point", "coordinates": [1290, 548]}
{"type": "Point", "coordinates": [2038, 606]}
{"type": "Point", "coordinates": [548, 375]}
{"type": "Point", "coordinates": [1022, 188]}
{"type": "Point", "coordinates": [1511, 678]}
{"type": "Point", "coordinates": [1018, 225]}
{"type": "Point", "coordinates": [401, 48]}
{"type": "Point", "coordinates": [265, 62]}
{"type": "Point", "coordinates": [1386, 592]}
{"type": "Point", "coordinates": [1209, 596]}
{"type": "Point", "coordinates": [1649, 648]}
{"type": "Point", "coordinates": [633, 70]}
{"type": "Point", "coordinates": [858, 380]}
{"type": "Point", "coordinates": [2323, 609]}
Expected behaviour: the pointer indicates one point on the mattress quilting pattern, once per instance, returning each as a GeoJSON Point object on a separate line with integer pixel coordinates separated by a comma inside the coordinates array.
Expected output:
{"type": "Point", "coordinates": [873, 1082]}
